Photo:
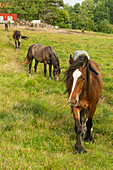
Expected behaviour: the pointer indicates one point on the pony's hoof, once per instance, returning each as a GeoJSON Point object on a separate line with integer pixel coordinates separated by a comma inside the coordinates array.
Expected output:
{"type": "Point", "coordinates": [49, 78]}
{"type": "Point", "coordinates": [29, 75]}
{"type": "Point", "coordinates": [89, 139]}
{"type": "Point", "coordinates": [79, 150]}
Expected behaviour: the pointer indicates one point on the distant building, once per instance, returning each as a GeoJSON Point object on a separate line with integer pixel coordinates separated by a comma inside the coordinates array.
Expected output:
{"type": "Point", "coordinates": [5, 17]}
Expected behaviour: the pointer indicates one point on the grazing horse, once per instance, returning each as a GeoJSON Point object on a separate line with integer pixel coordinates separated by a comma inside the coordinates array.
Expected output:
{"type": "Point", "coordinates": [6, 26]}
{"type": "Point", "coordinates": [17, 37]}
{"type": "Point", "coordinates": [84, 85]}
{"type": "Point", "coordinates": [43, 54]}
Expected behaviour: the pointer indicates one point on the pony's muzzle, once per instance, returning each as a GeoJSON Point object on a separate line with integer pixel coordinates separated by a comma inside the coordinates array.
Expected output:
{"type": "Point", "coordinates": [25, 62]}
{"type": "Point", "coordinates": [56, 78]}
{"type": "Point", "coordinates": [73, 102]}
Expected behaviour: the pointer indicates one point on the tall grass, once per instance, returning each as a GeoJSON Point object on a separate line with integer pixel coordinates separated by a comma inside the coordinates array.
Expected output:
{"type": "Point", "coordinates": [36, 123]}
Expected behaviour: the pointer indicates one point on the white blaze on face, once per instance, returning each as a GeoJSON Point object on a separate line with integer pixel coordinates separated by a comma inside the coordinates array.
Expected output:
{"type": "Point", "coordinates": [76, 75]}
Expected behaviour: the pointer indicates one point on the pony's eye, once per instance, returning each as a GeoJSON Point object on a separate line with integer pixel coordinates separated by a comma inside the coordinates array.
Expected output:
{"type": "Point", "coordinates": [83, 78]}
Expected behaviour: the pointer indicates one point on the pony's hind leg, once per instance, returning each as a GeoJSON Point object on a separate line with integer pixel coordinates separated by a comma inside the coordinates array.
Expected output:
{"type": "Point", "coordinates": [30, 65]}
{"type": "Point", "coordinates": [88, 136]}
{"type": "Point", "coordinates": [89, 124]}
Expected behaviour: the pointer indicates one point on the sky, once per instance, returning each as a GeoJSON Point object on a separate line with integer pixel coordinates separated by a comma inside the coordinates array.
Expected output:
{"type": "Point", "coordinates": [72, 2]}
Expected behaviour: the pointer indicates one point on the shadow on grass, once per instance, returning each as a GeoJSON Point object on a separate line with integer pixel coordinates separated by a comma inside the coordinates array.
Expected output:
{"type": "Point", "coordinates": [56, 118]}
{"type": "Point", "coordinates": [29, 106]}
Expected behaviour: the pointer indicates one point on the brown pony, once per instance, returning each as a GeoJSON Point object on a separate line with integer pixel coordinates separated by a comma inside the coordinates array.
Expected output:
{"type": "Point", "coordinates": [17, 37]}
{"type": "Point", "coordinates": [43, 54]}
{"type": "Point", "coordinates": [84, 85]}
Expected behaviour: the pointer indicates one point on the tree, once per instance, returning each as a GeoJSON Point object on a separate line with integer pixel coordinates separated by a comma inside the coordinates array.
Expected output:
{"type": "Point", "coordinates": [76, 8]}
{"type": "Point", "coordinates": [84, 15]}
{"type": "Point", "coordinates": [52, 11]}
{"type": "Point", "coordinates": [101, 12]}
{"type": "Point", "coordinates": [6, 6]}
{"type": "Point", "coordinates": [109, 4]}
{"type": "Point", "coordinates": [28, 9]}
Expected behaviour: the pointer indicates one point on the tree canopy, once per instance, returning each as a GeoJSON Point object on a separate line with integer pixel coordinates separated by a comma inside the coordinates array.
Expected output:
{"type": "Point", "coordinates": [50, 11]}
{"type": "Point", "coordinates": [96, 15]}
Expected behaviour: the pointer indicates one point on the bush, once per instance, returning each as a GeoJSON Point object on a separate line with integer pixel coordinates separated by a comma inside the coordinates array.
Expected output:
{"type": "Point", "coordinates": [105, 27]}
{"type": "Point", "coordinates": [64, 25]}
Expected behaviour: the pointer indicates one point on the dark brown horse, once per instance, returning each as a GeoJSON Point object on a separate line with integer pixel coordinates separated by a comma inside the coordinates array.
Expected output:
{"type": "Point", "coordinates": [6, 26]}
{"type": "Point", "coordinates": [17, 37]}
{"type": "Point", "coordinates": [84, 85]}
{"type": "Point", "coordinates": [43, 54]}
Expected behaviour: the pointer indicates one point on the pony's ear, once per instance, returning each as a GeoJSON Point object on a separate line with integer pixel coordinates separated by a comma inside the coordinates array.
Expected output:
{"type": "Point", "coordinates": [71, 59]}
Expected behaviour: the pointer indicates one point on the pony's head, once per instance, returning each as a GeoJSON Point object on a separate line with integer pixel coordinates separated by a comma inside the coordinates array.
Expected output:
{"type": "Point", "coordinates": [77, 84]}
{"type": "Point", "coordinates": [56, 73]}
{"type": "Point", "coordinates": [56, 64]}
{"type": "Point", "coordinates": [76, 78]}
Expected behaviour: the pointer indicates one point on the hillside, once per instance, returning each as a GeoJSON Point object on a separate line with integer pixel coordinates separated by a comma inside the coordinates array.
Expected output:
{"type": "Point", "coordinates": [36, 123]}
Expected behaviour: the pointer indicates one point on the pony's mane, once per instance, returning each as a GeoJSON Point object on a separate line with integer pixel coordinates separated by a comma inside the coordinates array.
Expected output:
{"type": "Point", "coordinates": [81, 61]}
{"type": "Point", "coordinates": [53, 51]}
{"type": "Point", "coordinates": [56, 58]}
{"type": "Point", "coordinates": [79, 53]}
{"type": "Point", "coordinates": [75, 65]}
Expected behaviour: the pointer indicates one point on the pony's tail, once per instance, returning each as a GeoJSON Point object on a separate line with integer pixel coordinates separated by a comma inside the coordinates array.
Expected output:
{"type": "Point", "coordinates": [24, 37]}
{"type": "Point", "coordinates": [25, 62]}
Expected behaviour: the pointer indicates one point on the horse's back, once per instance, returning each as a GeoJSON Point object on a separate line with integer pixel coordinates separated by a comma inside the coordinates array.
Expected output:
{"type": "Point", "coordinates": [34, 47]}
{"type": "Point", "coordinates": [36, 51]}
{"type": "Point", "coordinates": [97, 68]}
{"type": "Point", "coordinates": [94, 82]}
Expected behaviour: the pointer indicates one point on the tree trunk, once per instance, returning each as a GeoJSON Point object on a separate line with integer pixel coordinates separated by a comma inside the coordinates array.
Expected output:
{"type": "Point", "coordinates": [82, 27]}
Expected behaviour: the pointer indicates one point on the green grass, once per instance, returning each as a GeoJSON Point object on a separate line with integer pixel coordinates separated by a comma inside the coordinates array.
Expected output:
{"type": "Point", "coordinates": [36, 123]}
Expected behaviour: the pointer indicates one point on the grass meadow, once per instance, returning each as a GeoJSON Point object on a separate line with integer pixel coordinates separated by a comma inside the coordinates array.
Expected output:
{"type": "Point", "coordinates": [36, 123]}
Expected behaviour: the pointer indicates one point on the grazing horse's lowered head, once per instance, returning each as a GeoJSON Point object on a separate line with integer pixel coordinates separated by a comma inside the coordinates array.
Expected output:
{"type": "Point", "coordinates": [84, 85]}
{"type": "Point", "coordinates": [46, 55]}
{"type": "Point", "coordinates": [56, 64]}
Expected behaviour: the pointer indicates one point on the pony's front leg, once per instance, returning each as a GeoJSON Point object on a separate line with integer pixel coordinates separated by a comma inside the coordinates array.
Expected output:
{"type": "Point", "coordinates": [50, 71]}
{"type": "Point", "coordinates": [78, 129]}
{"type": "Point", "coordinates": [88, 136]}
{"type": "Point", "coordinates": [35, 67]}
{"type": "Point", "coordinates": [19, 44]}
{"type": "Point", "coordinates": [45, 70]}
{"type": "Point", "coordinates": [15, 45]}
